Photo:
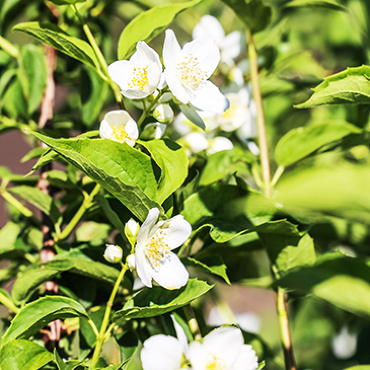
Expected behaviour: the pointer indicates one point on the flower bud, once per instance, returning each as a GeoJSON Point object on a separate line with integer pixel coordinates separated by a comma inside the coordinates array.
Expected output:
{"type": "Point", "coordinates": [153, 131]}
{"type": "Point", "coordinates": [131, 230]}
{"type": "Point", "coordinates": [163, 113]}
{"type": "Point", "coordinates": [113, 253]}
{"type": "Point", "coordinates": [131, 262]}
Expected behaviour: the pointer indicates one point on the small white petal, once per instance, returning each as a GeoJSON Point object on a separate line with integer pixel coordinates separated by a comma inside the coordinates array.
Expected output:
{"type": "Point", "coordinates": [177, 88]}
{"type": "Point", "coordinates": [231, 46]}
{"type": "Point", "coordinates": [161, 352]}
{"type": "Point", "coordinates": [247, 359]}
{"type": "Point", "coordinates": [131, 262]}
{"type": "Point", "coordinates": [148, 226]}
{"type": "Point", "coordinates": [143, 268]}
{"type": "Point", "coordinates": [219, 144]}
{"type": "Point", "coordinates": [209, 98]}
{"type": "Point", "coordinates": [197, 141]}
{"type": "Point", "coordinates": [171, 274]}
{"type": "Point", "coordinates": [209, 26]}
{"type": "Point", "coordinates": [181, 336]}
{"type": "Point", "coordinates": [171, 51]}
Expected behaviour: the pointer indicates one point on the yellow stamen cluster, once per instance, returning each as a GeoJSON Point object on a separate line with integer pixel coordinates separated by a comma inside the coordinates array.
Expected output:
{"type": "Point", "coordinates": [215, 363]}
{"type": "Point", "coordinates": [189, 72]}
{"type": "Point", "coordinates": [119, 134]}
{"type": "Point", "coordinates": [156, 249]}
{"type": "Point", "coordinates": [140, 79]}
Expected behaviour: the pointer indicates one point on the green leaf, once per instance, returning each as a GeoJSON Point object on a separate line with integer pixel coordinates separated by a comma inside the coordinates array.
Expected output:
{"type": "Point", "coordinates": [303, 141]}
{"type": "Point", "coordinates": [47, 157]}
{"type": "Point", "coordinates": [30, 280]}
{"type": "Point", "coordinates": [351, 86]}
{"type": "Point", "coordinates": [123, 171]}
{"type": "Point", "coordinates": [331, 4]}
{"type": "Point", "coordinates": [255, 14]}
{"type": "Point", "coordinates": [39, 199]}
{"type": "Point", "coordinates": [228, 210]}
{"type": "Point", "coordinates": [340, 280]}
{"type": "Point", "coordinates": [54, 36]}
{"type": "Point", "coordinates": [8, 237]}
{"type": "Point", "coordinates": [286, 247]}
{"type": "Point", "coordinates": [359, 367]}
{"type": "Point", "coordinates": [67, 2]}
{"type": "Point", "coordinates": [68, 365]}
{"type": "Point", "coordinates": [156, 301]}
{"type": "Point", "coordinates": [318, 192]}
{"type": "Point", "coordinates": [34, 153]}
{"type": "Point", "coordinates": [23, 355]}
{"type": "Point", "coordinates": [32, 74]}
{"type": "Point", "coordinates": [224, 163]}
{"type": "Point", "coordinates": [94, 232]}
{"type": "Point", "coordinates": [173, 162]}
{"type": "Point", "coordinates": [111, 214]}
{"type": "Point", "coordinates": [128, 344]}
{"type": "Point", "coordinates": [148, 25]}
{"type": "Point", "coordinates": [213, 264]}
{"type": "Point", "coordinates": [93, 90]}
{"type": "Point", "coordinates": [34, 316]}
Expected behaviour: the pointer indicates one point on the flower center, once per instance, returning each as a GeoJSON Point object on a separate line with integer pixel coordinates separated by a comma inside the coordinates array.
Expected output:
{"type": "Point", "coordinates": [215, 363]}
{"type": "Point", "coordinates": [140, 78]}
{"type": "Point", "coordinates": [189, 72]}
{"type": "Point", "coordinates": [119, 134]}
{"type": "Point", "coordinates": [156, 249]}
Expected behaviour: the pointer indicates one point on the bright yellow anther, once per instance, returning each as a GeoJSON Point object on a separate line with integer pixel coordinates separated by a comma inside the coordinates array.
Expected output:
{"type": "Point", "coordinates": [119, 134]}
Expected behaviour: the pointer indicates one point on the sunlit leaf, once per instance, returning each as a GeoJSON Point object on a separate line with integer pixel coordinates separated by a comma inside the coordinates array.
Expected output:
{"type": "Point", "coordinates": [156, 301]}
{"type": "Point", "coordinates": [148, 25]}
{"type": "Point", "coordinates": [351, 86]}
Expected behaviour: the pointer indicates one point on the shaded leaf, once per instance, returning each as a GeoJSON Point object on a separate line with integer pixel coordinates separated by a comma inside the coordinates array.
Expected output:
{"type": "Point", "coordinates": [156, 301]}
{"type": "Point", "coordinates": [255, 14]}
{"type": "Point", "coordinates": [54, 36]}
{"type": "Point", "coordinates": [303, 141]}
{"type": "Point", "coordinates": [148, 25]}
{"type": "Point", "coordinates": [331, 4]}
{"type": "Point", "coordinates": [173, 162]}
{"type": "Point", "coordinates": [351, 86]}
{"type": "Point", "coordinates": [228, 210]}
{"type": "Point", "coordinates": [39, 199]}
{"type": "Point", "coordinates": [23, 355]}
{"type": "Point", "coordinates": [213, 264]}
{"type": "Point", "coordinates": [35, 315]}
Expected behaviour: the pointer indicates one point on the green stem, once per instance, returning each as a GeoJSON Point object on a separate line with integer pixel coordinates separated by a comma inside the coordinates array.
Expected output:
{"type": "Point", "coordinates": [192, 322]}
{"type": "Point", "coordinates": [284, 330]}
{"type": "Point", "coordinates": [277, 175]}
{"type": "Point", "coordinates": [101, 336]}
{"type": "Point", "coordinates": [16, 203]}
{"type": "Point", "coordinates": [261, 127]}
{"type": "Point", "coordinates": [8, 303]}
{"type": "Point", "coordinates": [87, 203]}
{"type": "Point", "coordinates": [102, 62]}
{"type": "Point", "coordinates": [148, 109]}
{"type": "Point", "coordinates": [8, 47]}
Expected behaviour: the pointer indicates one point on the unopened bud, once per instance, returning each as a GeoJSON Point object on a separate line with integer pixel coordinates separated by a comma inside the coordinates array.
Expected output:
{"type": "Point", "coordinates": [131, 262]}
{"type": "Point", "coordinates": [113, 253]}
{"type": "Point", "coordinates": [163, 113]}
{"type": "Point", "coordinates": [131, 230]}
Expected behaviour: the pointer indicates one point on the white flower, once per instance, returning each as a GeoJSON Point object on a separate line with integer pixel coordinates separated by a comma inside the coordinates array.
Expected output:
{"type": "Point", "coordinates": [163, 113]}
{"type": "Point", "coordinates": [118, 126]}
{"type": "Point", "coordinates": [230, 45]}
{"type": "Point", "coordinates": [164, 352]}
{"type": "Point", "coordinates": [344, 344]}
{"type": "Point", "coordinates": [113, 253]}
{"type": "Point", "coordinates": [139, 76]}
{"type": "Point", "coordinates": [224, 349]}
{"type": "Point", "coordinates": [131, 262]}
{"type": "Point", "coordinates": [154, 259]}
{"type": "Point", "coordinates": [196, 141]}
{"type": "Point", "coordinates": [188, 69]}
{"type": "Point", "coordinates": [219, 144]}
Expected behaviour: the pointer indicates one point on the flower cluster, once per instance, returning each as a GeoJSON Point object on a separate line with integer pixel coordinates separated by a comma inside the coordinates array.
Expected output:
{"type": "Point", "coordinates": [222, 349]}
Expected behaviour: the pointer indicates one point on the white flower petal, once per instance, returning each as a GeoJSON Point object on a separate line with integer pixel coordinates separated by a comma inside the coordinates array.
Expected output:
{"type": "Point", "coordinates": [161, 352]}
{"type": "Point", "coordinates": [209, 26]}
{"type": "Point", "coordinates": [206, 52]}
{"type": "Point", "coordinates": [131, 129]}
{"type": "Point", "coordinates": [247, 359]}
{"type": "Point", "coordinates": [175, 231]}
{"type": "Point", "coordinates": [171, 273]}
{"type": "Point", "coordinates": [148, 227]}
{"type": "Point", "coordinates": [171, 51]}
{"type": "Point", "coordinates": [105, 131]}
{"type": "Point", "coordinates": [209, 98]}
{"type": "Point", "coordinates": [219, 144]}
{"type": "Point", "coordinates": [143, 267]}
{"type": "Point", "coordinates": [197, 141]}
{"type": "Point", "coordinates": [181, 336]}
{"type": "Point", "coordinates": [197, 356]}
{"type": "Point", "coordinates": [231, 46]}
{"type": "Point", "coordinates": [225, 343]}
{"type": "Point", "coordinates": [177, 88]}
